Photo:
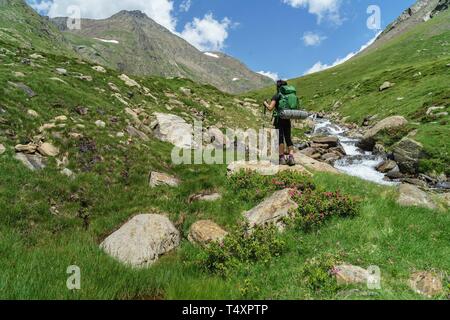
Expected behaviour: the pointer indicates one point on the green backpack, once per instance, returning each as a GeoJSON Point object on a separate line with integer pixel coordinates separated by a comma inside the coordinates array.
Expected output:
{"type": "Point", "coordinates": [288, 99]}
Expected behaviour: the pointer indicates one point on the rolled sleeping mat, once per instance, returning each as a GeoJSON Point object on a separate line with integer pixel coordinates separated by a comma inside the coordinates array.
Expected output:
{"type": "Point", "coordinates": [293, 114]}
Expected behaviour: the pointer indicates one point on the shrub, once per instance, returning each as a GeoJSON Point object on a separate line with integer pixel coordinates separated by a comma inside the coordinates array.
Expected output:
{"type": "Point", "coordinates": [241, 248]}
{"type": "Point", "coordinates": [315, 207]}
{"type": "Point", "coordinates": [316, 275]}
{"type": "Point", "coordinates": [252, 187]}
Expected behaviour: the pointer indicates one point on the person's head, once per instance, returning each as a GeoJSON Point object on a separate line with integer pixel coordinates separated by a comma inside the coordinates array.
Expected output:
{"type": "Point", "coordinates": [281, 83]}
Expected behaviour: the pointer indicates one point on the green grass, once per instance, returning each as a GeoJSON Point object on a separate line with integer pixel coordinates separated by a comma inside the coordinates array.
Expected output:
{"type": "Point", "coordinates": [356, 83]}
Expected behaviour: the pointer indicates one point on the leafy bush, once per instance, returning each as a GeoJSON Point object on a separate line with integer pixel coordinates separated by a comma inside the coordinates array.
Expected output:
{"type": "Point", "coordinates": [253, 187]}
{"type": "Point", "coordinates": [316, 275]}
{"type": "Point", "coordinates": [315, 207]}
{"type": "Point", "coordinates": [241, 248]}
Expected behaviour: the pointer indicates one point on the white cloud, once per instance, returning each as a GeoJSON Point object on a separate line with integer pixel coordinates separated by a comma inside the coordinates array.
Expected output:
{"type": "Point", "coordinates": [319, 66]}
{"type": "Point", "coordinates": [273, 75]}
{"type": "Point", "coordinates": [185, 5]}
{"type": "Point", "coordinates": [328, 9]}
{"type": "Point", "coordinates": [42, 6]}
{"type": "Point", "coordinates": [158, 10]}
{"type": "Point", "coordinates": [207, 33]}
{"type": "Point", "coordinates": [311, 39]}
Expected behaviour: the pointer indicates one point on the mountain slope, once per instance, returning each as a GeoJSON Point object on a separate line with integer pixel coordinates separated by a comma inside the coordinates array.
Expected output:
{"type": "Point", "coordinates": [417, 61]}
{"type": "Point", "coordinates": [142, 47]}
{"type": "Point", "coordinates": [421, 11]}
{"type": "Point", "coordinates": [21, 25]}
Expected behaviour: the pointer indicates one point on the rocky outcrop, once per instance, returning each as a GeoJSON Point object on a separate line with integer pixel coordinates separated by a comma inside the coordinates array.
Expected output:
{"type": "Point", "coordinates": [206, 231]}
{"type": "Point", "coordinates": [407, 154]}
{"type": "Point", "coordinates": [272, 210]}
{"type": "Point", "coordinates": [141, 241]}
{"type": "Point", "coordinates": [368, 141]}
{"type": "Point", "coordinates": [158, 179]}
{"type": "Point", "coordinates": [410, 195]}
{"type": "Point", "coordinates": [313, 164]}
{"type": "Point", "coordinates": [173, 129]}
{"type": "Point", "coordinates": [426, 283]}
{"type": "Point", "coordinates": [348, 274]}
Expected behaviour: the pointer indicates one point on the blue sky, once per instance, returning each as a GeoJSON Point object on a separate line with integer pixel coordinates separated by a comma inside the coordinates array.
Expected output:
{"type": "Point", "coordinates": [283, 37]}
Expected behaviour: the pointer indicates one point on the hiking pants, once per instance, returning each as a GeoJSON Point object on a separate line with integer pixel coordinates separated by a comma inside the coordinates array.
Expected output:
{"type": "Point", "coordinates": [284, 127]}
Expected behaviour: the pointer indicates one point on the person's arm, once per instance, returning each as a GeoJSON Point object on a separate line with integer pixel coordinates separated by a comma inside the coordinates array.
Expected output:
{"type": "Point", "coordinates": [270, 106]}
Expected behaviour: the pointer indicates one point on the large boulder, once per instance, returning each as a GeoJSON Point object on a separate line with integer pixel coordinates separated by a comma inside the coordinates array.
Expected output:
{"type": "Point", "coordinates": [263, 167]}
{"type": "Point", "coordinates": [141, 241]}
{"type": "Point", "coordinates": [173, 129]}
{"type": "Point", "coordinates": [31, 161]}
{"type": "Point", "coordinates": [386, 166]}
{"type": "Point", "coordinates": [315, 165]}
{"type": "Point", "coordinates": [159, 179]}
{"type": "Point", "coordinates": [48, 150]}
{"type": "Point", "coordinates": [407, 154]}
{"type": "Point", "coordinates": [348, 274]}
{"type": "Point", "coordinates": [412, 196]}
{"type": "Point", "coordinates": [330, 141]}
{"type": "Point", "coordinates": [368, 141]}
{"type": "Point", "coordinates": [206, 231]}
{"type": "Point", "coordinates": [272, 210]}
{"type": "Point", "coordinates": [426, 283]}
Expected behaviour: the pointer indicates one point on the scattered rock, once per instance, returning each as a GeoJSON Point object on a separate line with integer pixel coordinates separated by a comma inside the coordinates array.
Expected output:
{"type": "Point", "coordinates": [113, 87]}
{"type": "Point", "coordinates": [386, 85]}
{"type": "Point", "coordinates": [36, 56]}
{"type": "Point", "coordinates": [67, 172]}
{"type": "Point", "coordinates": [48, 150]}
{"type": "Point", "coordinates": [272, 210]}
{"type": "Point", "coordinates": [85, 78]}
{"type": "Point", "coordinates": [368, 141]}
{"type": "Point", "coordinates": [32, 113]}
{"type": "Point", "coordinates": [26, 148]}
{"type": "Point", "coordinates": [205, 197]}
{"type": "Point", "coordinates": [99, 69]}
{"type": "Point", "coordinates": [18, 74]}
{"type": "Point", "coordinates": [26, 89]}
{"type": "Point", "coordinates": [329, 141]}
{"type": "Point", "coordinates": [100, 124]}
{"type": "Point", "coordinates": [386, 166]}
{"type": "Point", "coordinates": [219, 139]}
{"type": "Point", "coordinates": [206, 231]}
{"type": "Point", "coordinates": [61, 71]}
{"type": "Point", "coordinates": [426, 283]}
{"type": "Point", "coordinates": [141, 241]}
{"type": "Point", "coordinates": [186, 91]}
{"type": "Point", "coordinates": [313, 164]}
{"type": "Point", "coordinates": [128, 81]}
{"type": "Point", "coordinates": [347, 274]}
{"type": "Point", "coordinates": [173, 129]}
{"type": "Point", "coordinates": [133, 132]}
{"type": "Point", "coordinates": [265, 168]}
{"type": "Point", "coordinates": [60, 119]}
{"type": "Point", "coordinates": [82, 111]}
{"type": "Point", "coordinates": [2, 149]}
{"type": "Point", "coordinates": [159, 178]}
{"type": "Point", "coordinates": [412, 196]}
{"type": "Point", "coordinates": [31, 161]}
{"type": "Point", "coordinates": [431, 110]}
{"type": "Point", "coordinates": [407, 154]}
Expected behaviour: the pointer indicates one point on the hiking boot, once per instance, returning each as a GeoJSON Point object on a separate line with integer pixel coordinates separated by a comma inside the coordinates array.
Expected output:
{"type": "Point", "coordinates": [283, 161]}
{"type": "Point", "coordinates": [291, 160]}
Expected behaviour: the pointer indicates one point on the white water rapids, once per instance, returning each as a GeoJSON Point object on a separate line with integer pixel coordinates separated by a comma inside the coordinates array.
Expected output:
{"type": "Point", "coordinates": [357, 162]}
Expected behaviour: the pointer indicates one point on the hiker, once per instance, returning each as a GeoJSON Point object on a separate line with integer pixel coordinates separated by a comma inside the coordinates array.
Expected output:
{"type": "Point", "coordinates": [283, 125]}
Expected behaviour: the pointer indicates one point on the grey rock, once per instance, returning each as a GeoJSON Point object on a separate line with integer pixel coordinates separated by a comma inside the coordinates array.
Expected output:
{"type": "Point", "coordinates": [407, 154]}
{"type": "Point", "coordinates": [412, 196]}
{"type": "Point", "coordinates": [142, 240]}
{"type": "Point", "coordinates": [32, 162]}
